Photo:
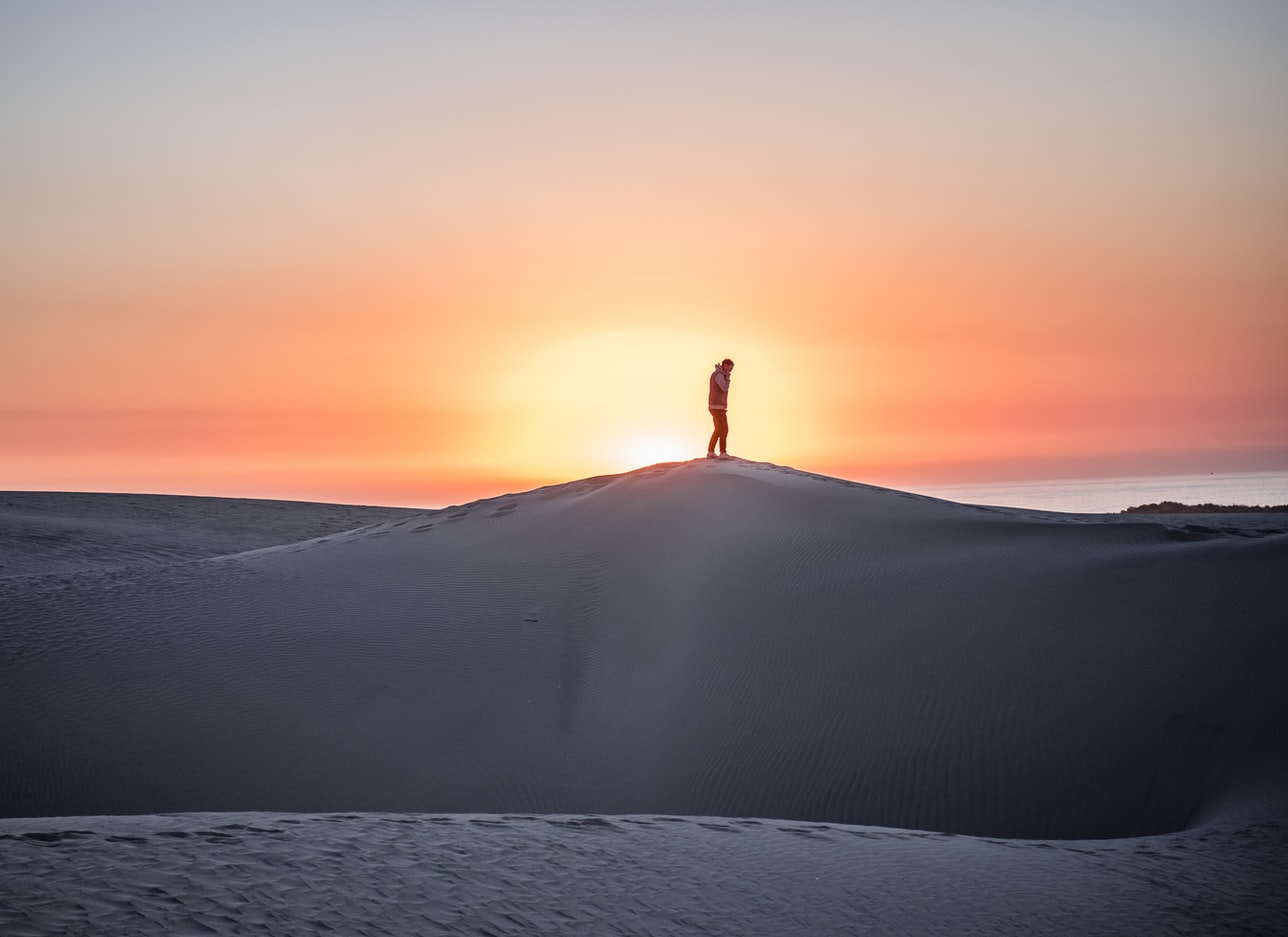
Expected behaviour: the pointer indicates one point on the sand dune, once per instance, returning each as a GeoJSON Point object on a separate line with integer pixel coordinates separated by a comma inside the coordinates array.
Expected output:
{"type": "Point", "coordinates": [729, 639]}
{"type": "Point", "coordinates": [301, 874]}
{"type": "Point", "coordinates": [847, 664]}
{"type": "Point", "coordinates": [61, 532]}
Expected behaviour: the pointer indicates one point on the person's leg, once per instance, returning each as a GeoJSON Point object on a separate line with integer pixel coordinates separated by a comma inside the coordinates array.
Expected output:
{"type": "Point", "coordinates": [721, 431]}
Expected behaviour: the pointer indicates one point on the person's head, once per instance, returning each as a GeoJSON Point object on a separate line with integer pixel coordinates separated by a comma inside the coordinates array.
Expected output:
{"type": "Point", "coordinates": [727, 365]}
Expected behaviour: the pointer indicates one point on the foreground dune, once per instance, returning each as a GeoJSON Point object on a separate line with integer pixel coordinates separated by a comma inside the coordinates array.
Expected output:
{"type": "Point", "coordinates": [704, 639]}
{"type": "Point", "coordinates": [513, 876]}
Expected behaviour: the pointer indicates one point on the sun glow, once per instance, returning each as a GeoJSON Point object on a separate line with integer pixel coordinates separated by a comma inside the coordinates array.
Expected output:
{"type": "Point", "coordinates": [614, 400]}
{"type": "Point", "coordinates": [650, 448]}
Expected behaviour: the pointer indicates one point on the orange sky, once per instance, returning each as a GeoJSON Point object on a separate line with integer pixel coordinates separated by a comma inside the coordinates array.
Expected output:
{"type": "Point", "coordinates": [411, 254]}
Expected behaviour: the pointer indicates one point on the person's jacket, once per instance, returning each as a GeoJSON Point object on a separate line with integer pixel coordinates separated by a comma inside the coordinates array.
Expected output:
{"type": "Point", "coordinates": [718, 395]}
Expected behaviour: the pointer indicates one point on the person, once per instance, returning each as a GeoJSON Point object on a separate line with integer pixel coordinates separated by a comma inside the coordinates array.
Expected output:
{"type": "Point", "coordinates": [718, 405]}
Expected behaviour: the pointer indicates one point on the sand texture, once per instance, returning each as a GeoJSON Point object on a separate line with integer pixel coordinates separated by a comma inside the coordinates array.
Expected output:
{"type": "Point", "coordinates": [1095, 702]}
{"type": "Point", "coordinates": [509, 876]}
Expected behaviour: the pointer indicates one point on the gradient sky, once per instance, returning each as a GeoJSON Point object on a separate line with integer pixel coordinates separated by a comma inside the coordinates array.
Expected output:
{"type": "Point", "coordinates": [418, 252]}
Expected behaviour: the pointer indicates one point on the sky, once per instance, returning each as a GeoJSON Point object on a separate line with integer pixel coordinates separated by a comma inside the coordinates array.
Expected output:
{"type": "Point", "coordinates": [416, 253]}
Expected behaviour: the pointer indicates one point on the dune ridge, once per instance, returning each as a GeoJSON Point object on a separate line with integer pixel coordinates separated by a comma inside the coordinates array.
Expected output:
{"type": "Point", "coordinates": [705, 638]}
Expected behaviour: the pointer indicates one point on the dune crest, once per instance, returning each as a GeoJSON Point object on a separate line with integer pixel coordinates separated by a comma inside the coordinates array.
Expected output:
{"type": "Point", "coordinates": [705, 638]}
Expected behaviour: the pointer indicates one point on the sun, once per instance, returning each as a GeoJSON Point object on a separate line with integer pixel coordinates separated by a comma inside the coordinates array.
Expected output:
{"type": "Point", "coordinates": [635, 451]}
{"type": "Point", "coordinates": [614, 399]}
{"type": "Point", "coordinates": [603, 400]}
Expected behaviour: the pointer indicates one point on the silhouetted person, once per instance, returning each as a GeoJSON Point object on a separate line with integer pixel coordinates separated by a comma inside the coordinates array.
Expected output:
{"type": "Point", "coordinates": [718, 405]}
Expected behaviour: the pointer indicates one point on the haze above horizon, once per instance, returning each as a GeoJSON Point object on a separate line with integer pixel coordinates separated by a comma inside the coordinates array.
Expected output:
{"type": "Point", "coordinates": [396, 253]}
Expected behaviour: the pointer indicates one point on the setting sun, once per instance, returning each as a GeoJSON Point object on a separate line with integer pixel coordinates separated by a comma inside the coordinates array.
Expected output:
{"type": "Point", "coordinates": [649, 449]}
{"type": "Point", "coordinates": [613, 399]}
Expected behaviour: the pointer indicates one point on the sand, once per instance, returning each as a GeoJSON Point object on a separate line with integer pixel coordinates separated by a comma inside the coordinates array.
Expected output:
{"type": "Point", "coordinates": [705, 697]}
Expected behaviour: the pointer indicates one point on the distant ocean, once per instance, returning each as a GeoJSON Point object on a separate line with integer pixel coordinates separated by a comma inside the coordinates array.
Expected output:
{"type": "Point", "coordinates": [1111, 495]}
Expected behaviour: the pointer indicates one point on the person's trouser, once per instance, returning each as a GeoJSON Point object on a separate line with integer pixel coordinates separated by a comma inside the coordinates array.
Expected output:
{"type": "Point", "coordinates": [721, 432]}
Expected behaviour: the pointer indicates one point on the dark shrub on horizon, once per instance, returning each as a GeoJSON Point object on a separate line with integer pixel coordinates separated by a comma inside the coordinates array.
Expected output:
{"type": "Point", "coordinates": [1175, 507]}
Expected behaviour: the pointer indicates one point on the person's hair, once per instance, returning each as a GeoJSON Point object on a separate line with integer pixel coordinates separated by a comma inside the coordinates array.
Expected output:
{"type": "Point", "coordinates": [726, 361]}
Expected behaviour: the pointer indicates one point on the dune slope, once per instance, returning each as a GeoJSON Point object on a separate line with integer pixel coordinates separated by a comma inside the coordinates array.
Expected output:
{"type": "Point", "coordinates": [708, 639]}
